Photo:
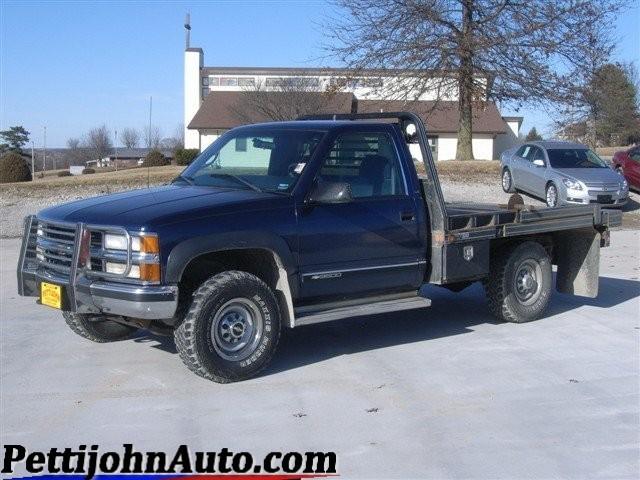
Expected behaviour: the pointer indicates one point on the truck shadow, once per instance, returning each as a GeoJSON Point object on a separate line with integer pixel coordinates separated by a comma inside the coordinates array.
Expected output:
{"type": "Point", "coordinates": [450, 314]}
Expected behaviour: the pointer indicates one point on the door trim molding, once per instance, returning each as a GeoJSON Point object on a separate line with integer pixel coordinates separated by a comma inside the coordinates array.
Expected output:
{"type": "Point", "coordinates": [337, 273]}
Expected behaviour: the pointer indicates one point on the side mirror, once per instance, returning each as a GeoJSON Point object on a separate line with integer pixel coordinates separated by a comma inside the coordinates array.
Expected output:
{"type": "Point", "coordinates": [331, 192]}
{"type": "Point", "coordinates": [538, 163]}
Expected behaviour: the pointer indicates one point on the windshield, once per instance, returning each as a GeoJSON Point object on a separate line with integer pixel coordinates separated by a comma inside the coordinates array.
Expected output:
{"type": "Point", "coordinates": [574, 158]}
{"type": "Point", "coordinates": [269, 160]}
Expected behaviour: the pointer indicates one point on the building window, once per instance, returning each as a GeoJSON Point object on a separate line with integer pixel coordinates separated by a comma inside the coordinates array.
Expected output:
{"type": "Point", "coordinates": [241, 144]}
{"type": "Point", "coordinates": [247, 82]}
{"type": "Point", "coordinates": [293, 82]}
{"type": "Point", "coordinates": [205, 81]}
{"type": "Point", "coordinates": [433, 144]}
{"type": "Point", "coordinates": [214, 81]}
{"type": "Point", "coordinates": [228, 82]}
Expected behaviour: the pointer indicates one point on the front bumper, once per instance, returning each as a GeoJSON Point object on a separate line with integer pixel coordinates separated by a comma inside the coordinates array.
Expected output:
{"type": "Point", "coordinates": [614, 198]}
{"type": "Point", "coordinates": [82, 294]}
{"type": "Point", "coordinates": [149, 302]}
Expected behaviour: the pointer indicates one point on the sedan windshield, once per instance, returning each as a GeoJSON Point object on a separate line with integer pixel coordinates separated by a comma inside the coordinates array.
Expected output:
{"type": "Point", "coordinates": [574, 158]}
{"type": "Point", "coordinates": [269, 161]}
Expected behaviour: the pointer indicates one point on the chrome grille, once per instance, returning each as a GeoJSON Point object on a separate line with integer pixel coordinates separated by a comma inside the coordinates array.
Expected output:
{"type": "Point", "coordinates": [30, 260]}
{"type": "Point", "coordinates": [55, 245]}
{"type": "Point", "coordinates": [603, 186]}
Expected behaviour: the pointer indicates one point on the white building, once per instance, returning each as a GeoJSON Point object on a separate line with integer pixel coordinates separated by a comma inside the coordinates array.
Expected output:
{"type": "Point", "coordinates": [210, 93]}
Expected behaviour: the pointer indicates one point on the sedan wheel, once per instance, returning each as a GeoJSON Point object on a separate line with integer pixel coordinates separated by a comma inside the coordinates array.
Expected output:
{"type": "Point", "coordinates": [552, 195]}
{"type": "Point", "coordinates": [507, 181]}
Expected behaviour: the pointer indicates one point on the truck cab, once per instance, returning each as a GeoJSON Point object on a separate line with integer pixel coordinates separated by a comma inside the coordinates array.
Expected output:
{"type": "Point", "coordinates": [284, 224]}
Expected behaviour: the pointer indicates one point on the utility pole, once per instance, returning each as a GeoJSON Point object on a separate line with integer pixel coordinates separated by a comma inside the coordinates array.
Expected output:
{"type": "Point", "coordinates": [149, 136]}
{"type": "Point", "coordinates": [44, 153]}
{"type": "Point", "coordinates": [115, 144]}
{"type": "Point", "coordinates": [33, 169]}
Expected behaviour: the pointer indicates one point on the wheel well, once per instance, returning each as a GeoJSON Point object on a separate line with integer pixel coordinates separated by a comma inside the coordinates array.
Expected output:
{"type": "Point", "coordinates": [550, 182]}
{"type": "Point", "coordinates": [262, 263]}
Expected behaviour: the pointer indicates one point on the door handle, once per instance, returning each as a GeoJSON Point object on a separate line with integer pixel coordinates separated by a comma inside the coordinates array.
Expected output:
{"type": "Point", "coordinates": [407, 216]}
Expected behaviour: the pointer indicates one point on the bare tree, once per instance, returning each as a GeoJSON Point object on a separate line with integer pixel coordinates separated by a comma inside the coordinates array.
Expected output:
{"type": "Point", "coordinates": [511, 51]}
{"type": "Point", "coordinates": [174, 142]}
{"type": "Point", "coordinates": [284, 99]}
{"type": "Point", "coordinates": [98, 142]}
{"type": "Point", "coordinates": [152, 136]}
{"type": "Point", "coordinates": [76, 153]}
{"type": "Point", "coordinates": [130, 137]}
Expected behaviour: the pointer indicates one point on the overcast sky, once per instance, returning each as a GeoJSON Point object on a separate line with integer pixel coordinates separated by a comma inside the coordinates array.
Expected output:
{"type": "Point", "coordinates": [75, 65]}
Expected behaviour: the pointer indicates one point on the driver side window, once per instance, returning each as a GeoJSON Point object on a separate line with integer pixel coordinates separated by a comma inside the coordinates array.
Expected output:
{"type": "Point", "coordinates": [367, 161]}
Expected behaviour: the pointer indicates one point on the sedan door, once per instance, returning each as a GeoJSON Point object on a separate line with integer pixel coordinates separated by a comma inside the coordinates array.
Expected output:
{"type": "Point", "coordinates": [536, 175]}
{"type": "Point", "coordinates": [519, 165]}
{"type": "Point", "coordinates": [632, 168]}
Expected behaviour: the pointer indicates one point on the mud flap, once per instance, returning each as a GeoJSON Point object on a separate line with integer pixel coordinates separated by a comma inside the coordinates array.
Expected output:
{"type": "Point", "coordinates": [577, 253]}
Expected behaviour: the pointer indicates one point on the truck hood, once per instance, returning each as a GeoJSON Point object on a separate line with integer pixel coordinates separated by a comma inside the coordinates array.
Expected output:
{"type": "Point", "coordinates": [591, 175]}
{"type": "Point", "coordinates": [162, 205]}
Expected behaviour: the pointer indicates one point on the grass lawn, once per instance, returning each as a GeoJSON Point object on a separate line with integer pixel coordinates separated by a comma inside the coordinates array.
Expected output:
{"type": "Point", "coordinates": [473, 171]}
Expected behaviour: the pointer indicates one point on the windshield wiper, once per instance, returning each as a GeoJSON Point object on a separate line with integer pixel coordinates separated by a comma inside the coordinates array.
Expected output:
{"type": "Point", "coordinates": [189, 180]}
{"type": "Point", "coordinates": [237, 179]}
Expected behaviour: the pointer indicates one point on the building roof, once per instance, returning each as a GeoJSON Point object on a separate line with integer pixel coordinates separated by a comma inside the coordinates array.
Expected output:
{"type": "Point", "coordinates": [441, 117]}
{"type": "Point", "coordinates": [224, 110]}
{"type": "Point", "coordinates": [319, 71]}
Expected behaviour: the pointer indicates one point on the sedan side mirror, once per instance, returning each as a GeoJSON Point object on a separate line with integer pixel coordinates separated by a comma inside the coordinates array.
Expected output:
{"type": "Point", "coordinates": [538, 163]}
{"type": "Point", "coordinates": [331, 192]}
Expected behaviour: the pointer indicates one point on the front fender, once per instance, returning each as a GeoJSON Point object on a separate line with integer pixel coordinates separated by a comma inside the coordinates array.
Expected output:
{"type": "Point", "coordinates": [180, 256]}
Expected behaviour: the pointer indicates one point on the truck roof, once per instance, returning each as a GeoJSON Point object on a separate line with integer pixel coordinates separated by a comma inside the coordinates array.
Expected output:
{"type": "Point", "coordinates": [313, 124]}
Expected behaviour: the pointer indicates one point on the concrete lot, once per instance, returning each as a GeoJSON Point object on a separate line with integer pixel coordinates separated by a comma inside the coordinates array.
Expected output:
{"type": "Point", "coordinates": [457, 395]}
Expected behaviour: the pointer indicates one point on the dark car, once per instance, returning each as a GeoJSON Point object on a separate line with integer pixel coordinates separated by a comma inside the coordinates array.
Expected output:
{"type": "Point", "coordinates": [627, 163]}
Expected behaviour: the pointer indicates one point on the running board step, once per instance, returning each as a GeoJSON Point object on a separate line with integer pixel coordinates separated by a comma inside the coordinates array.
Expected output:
{"type": "Point", "coordinates": [339, 313]}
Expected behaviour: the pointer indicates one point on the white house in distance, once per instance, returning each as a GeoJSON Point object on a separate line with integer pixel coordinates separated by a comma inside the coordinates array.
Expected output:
{"type": "Point", "coordinates": [211, 92]}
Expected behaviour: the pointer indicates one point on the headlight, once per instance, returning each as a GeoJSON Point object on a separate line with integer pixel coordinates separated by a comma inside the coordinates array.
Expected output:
{"type": "Point", "coordinates": [119, 242]}
{"type": "Point", "coordinates": [119, 268]}
{"type": "Point", "coordinates": [572, 184]}
{"type": "Point", "coordinates": [625, 184]}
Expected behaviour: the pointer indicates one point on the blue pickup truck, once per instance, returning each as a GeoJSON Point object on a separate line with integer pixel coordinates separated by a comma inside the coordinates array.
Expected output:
{"type": "Point", "coordinates": [286, 224]}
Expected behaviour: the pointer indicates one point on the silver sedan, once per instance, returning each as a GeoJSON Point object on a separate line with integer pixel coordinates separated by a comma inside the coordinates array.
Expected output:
{"type": "Point", "coordinates": [562, 173]}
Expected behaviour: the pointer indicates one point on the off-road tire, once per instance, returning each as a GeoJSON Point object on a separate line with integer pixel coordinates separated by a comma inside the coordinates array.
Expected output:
{"type": "Point", "coordinates": [510, 188]}
{"type": "Point", "coordinates": [193, 336]}
{"type": "Point", "coordinates": [500, 288]}
{"type": "Point", "coordinates": [96, 330]}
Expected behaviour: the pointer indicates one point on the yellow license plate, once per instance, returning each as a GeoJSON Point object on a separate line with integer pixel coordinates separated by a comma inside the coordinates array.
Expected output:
{"type": "Point", "coordinates": [51, 295]}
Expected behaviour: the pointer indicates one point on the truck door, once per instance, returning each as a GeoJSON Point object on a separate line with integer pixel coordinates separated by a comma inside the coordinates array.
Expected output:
{"type": "Point", "coordinates": [370, 245]}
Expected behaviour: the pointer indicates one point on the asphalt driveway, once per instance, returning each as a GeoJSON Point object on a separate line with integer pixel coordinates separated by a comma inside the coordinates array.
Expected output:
{"type": "Point", "coordinates": [443, 392]}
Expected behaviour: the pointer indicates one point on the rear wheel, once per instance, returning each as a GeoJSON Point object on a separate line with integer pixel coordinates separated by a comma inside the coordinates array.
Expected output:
{"type": "Point", "coordinates": [519, 284]}
{"type": "Point", "coordinates": [507, 181]}
{"type": "Point", "coordinates": [551, 195]}
{"type": "Point", "coordinates": [232, 328]}
{"type": "Point", "coordinates": [98, 328]}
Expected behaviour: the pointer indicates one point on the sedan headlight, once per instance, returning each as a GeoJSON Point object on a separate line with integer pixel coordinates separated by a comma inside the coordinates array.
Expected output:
{"type": "Point", "coordinates": [625, 184]}
{"type": "Point", "coordinates": [571, 184]}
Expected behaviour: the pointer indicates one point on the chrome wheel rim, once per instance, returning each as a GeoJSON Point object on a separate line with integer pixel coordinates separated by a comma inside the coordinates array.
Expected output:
{"type": "Point", "coordinates": [506, 180]}
{"type": "Point", "coordinates": [527, 282]}
{"type": "Point", "coordinates": [552, 196]}
{"type": "Point", "coordinates": [236, 329]}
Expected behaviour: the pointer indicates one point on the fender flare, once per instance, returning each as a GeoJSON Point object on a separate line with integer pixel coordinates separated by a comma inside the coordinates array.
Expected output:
{"type": "Point", "coordinates": [184, 252]}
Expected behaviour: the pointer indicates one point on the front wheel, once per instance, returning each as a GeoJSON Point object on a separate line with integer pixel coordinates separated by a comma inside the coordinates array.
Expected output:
{"type": "Point", "coordinates": [232, 328]}
{"type": "Point", "coordinates": [519, 284]}
{"type": "Point", "coordinates": [97, 328]}
{"type": "Point", "coordinates": [507, 181]}
{"type": "Point", "coordinates": [552, 195]}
